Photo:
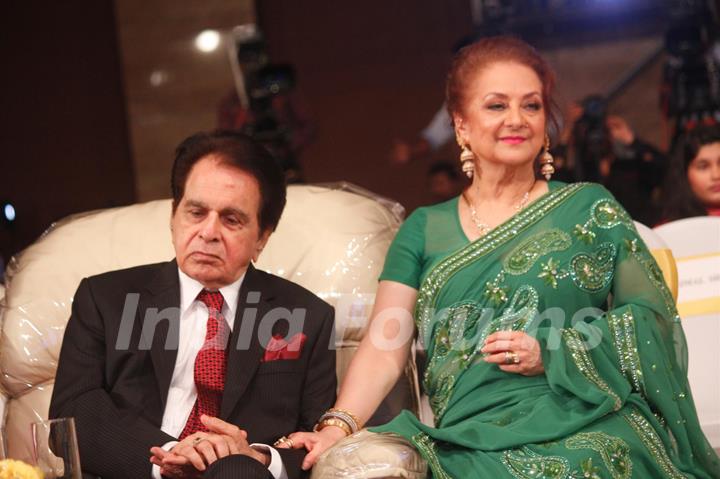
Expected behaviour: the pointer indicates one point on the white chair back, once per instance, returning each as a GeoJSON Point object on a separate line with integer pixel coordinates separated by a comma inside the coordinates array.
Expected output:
{"type": "Point", "coordinates": [695, 243]}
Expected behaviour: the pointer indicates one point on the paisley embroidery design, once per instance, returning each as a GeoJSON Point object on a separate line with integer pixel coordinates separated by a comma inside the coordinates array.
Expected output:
{"type": "Point", "coordinates": [526, 254]}
{"type": "Point", "coordinates": [523, 463]}
{"type": "Point", "coordinates": [607, 213]}
{"type": "Point", "coordinates": [592, 272]}
{"type": "Point", "coordinates": [614, 451]}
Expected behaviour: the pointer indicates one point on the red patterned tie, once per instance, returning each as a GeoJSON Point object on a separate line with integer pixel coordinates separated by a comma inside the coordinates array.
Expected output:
{"type": "Point", "coordinates": [210, 364]}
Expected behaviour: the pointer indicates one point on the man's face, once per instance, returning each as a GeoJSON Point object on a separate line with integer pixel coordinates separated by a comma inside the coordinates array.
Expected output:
{"type": "Point", "coordinates": [215, 228]}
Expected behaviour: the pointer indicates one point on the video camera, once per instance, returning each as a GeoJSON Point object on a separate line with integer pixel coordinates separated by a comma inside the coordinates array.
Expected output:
{"type": "Point", "coordinates": [691, 74]}
{"type": "Point", "coordinates": [261, 88]}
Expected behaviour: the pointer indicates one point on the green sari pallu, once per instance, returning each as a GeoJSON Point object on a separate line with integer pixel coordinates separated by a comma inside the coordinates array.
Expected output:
{"type": "Point", "coordinates": [614, 401]}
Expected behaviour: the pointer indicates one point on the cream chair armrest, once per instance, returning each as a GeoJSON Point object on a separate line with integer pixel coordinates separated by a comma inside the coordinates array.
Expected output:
{"type": "Point", "coordinates": [366, 455]}
{"type": "Point", "coordinates": [3, 405]}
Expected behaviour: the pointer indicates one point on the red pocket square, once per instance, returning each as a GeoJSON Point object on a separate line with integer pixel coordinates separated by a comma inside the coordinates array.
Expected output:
{"type": "Point", "coordinates": [277, 348]}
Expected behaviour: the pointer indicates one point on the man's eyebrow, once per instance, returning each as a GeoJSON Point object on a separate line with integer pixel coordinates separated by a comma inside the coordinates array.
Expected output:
{"type": "Point", "coordinates": [244, 217]}
{"type": "Point", "coordinates": [196, 204]}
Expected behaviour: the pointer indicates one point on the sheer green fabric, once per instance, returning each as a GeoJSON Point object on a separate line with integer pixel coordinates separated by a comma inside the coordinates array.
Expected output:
{"type": "Point", "coordinates": [571, 270]}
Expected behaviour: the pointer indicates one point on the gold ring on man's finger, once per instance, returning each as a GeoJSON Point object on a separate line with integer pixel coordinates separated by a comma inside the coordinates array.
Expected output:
{"type": "Point", "coordinates": [282, 440]}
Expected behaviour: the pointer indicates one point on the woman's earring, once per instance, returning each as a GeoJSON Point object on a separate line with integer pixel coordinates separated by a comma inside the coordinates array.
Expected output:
{"type": "Point", "coordinates": [467, 159]}
{"type": "Point", "coordinates": [547, 169]}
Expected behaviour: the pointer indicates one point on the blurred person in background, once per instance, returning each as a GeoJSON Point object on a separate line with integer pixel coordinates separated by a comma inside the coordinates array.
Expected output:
{"type": "Point", "coordinates": [605, 149]}
{"type": "Point", "coordinates": [265, 103]}
{"type": "Point", "coordinates": [431, 138]}
{"type": "Point", "coordinates": [439, 130]}
{"type": "Point", "coordinates": [692, 184]}
{"type": "Point", "coordinates": [276, 117]}
{"type": "Point", "coordinates": [443, 181]}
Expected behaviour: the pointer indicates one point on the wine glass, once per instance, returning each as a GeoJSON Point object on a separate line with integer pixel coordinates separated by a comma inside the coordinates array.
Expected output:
{"type": "Point", "coordinates": [55, 448]}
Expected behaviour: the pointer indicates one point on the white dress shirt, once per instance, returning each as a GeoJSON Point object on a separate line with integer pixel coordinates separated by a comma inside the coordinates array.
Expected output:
{"type": "Point", "coordinates": [183, 393]}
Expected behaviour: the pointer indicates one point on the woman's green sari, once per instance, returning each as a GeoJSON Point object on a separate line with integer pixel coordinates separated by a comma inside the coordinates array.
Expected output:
{"type": "Point", "coordinates": [571, 270]}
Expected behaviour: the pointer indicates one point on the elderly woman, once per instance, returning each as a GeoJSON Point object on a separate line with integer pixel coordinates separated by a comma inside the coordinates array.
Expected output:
{"type": "Point", "coordinates": [555, 349]}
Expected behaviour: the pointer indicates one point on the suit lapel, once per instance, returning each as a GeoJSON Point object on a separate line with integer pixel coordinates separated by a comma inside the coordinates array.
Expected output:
{"type": "Point", "coordinates": [164, 295]}
{"type": "Point", "coordinates": [244, 349]}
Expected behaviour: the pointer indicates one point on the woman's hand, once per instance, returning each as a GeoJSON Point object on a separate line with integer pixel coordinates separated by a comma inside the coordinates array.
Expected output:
{"type": "Point", "coordinates": [315, 442]}
{"type": "Point", "coordinates": [517, 346]}
{"type": "Point", "coordinates": [620, 130]}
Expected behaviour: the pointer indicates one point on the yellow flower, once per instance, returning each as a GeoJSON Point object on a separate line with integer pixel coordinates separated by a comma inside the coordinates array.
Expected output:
{"type": "Point", "coordinates": [12, 469]}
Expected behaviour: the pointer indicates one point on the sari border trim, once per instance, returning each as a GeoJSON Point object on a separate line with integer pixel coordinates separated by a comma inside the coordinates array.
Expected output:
{"type": "Point", "coordinates": [654, 274]}
{"type": "Point", "coordinates": [582, 360]}
{"type": "Point", "coordinates": [444, 270]}
{"type": "Point", "coordinates": [649, 437]}
{"type": "Point", "coordinates": [428, 450]}
{"type": "Point", "coordinates": [624, 336]}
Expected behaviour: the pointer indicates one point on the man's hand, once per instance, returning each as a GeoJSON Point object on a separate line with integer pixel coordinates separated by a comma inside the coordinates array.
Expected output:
{"type": "Point", "coordinates": [191, 456]}
{"type": "Point", "coordinates": [234, 435]}
{"type": "Point", "coordinates": [172, 471]}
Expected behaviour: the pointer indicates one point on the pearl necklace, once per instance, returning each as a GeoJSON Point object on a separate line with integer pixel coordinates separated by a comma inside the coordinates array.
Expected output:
{"type": "Point", "coordinates": [484, 228]}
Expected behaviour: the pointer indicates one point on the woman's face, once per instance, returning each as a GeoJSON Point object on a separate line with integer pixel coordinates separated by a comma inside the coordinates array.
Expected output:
{"type": "Point", "coordinates": [704, 175]}
{"type": "Point", "coordinates": [503, 119]}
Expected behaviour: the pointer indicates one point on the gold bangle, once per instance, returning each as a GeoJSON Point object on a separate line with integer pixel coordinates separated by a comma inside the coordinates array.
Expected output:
{"type": "Point", "coordinates": [332, 421]}
{"type": "Point", "coordinates": [345, 411]}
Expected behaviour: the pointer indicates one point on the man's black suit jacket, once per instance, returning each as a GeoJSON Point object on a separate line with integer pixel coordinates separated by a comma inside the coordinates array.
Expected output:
{"type": "Point", "coordinates": [113, 377]}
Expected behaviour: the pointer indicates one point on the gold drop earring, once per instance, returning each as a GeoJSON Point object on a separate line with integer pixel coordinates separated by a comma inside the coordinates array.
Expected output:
{"type": "Point", "coordinates": [547, 169]}
{"type": "Point", "coordinates": [467, 158]}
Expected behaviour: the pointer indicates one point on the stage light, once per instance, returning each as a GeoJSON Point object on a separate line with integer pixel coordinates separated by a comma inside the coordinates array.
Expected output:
{"type": "Point", "coordinates": [8, 211]}
{"type": "Point", "coordinates": [207, 41]}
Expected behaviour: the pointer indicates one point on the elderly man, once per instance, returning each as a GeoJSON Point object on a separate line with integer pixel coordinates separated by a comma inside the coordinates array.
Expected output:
{"type": "Point", "coordinates": [204, 360]}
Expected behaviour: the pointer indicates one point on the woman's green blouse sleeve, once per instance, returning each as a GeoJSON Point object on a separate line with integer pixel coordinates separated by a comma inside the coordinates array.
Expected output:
{"type": "Point", "coordinates": [405, 258]}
